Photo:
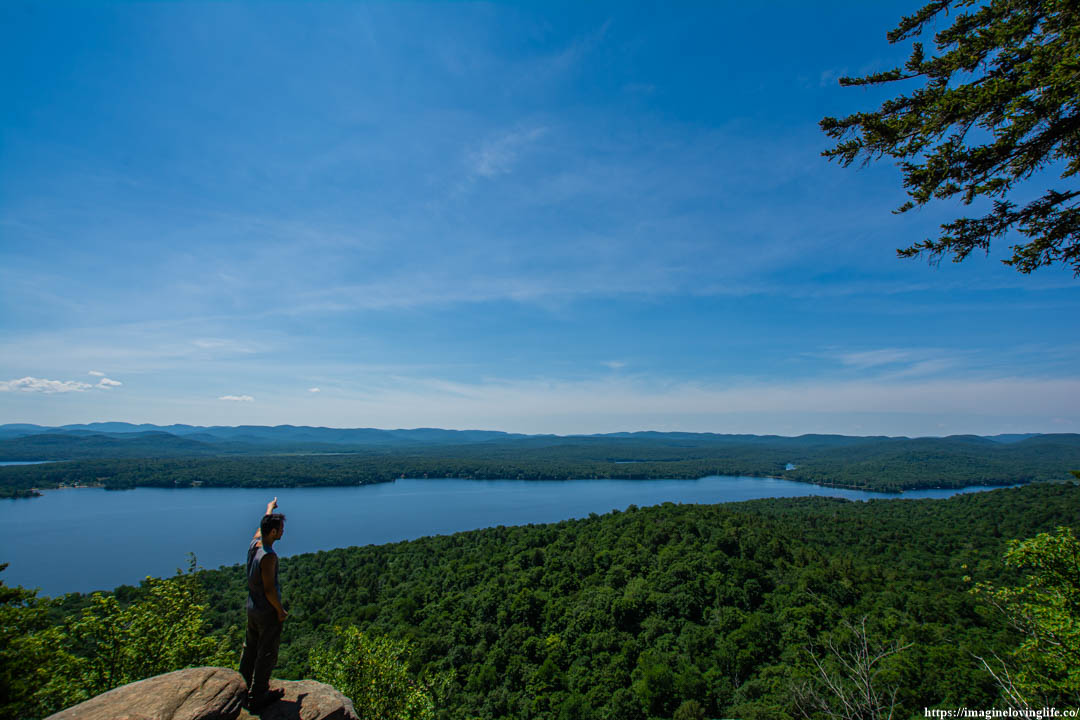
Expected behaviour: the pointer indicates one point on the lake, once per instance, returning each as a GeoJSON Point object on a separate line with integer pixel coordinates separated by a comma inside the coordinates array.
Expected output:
{"type": "Point", "coordinates": [79, 540]}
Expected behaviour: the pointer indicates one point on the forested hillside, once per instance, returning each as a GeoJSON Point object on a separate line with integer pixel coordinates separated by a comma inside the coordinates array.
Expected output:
{"type": "Point", "coordinates": [888, 464]}
{"type": "Point", "coordinates": [717, 610]}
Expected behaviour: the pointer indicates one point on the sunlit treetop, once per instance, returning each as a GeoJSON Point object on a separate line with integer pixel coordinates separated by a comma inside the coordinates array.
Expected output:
{"type": "Point", "coordinates": [999, 102]}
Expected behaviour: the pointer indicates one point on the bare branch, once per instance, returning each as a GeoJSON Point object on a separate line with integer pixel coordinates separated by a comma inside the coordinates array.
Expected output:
{"type": "Point", "coordinates": [847, 677]}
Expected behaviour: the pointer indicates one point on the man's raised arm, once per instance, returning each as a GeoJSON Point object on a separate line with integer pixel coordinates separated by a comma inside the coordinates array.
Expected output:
{"type": "Point", "coordinates": [269, 509]}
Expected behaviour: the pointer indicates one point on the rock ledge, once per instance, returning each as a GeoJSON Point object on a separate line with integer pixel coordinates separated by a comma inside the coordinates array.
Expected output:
{"type": "Point", "coordinates": [307, 700]}
{"type": "Point", "coordinates": [208, 693]}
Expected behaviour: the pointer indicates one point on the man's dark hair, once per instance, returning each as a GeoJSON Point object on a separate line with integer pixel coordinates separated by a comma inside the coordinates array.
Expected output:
{"type": "Point", "coordinates": [271, 522]}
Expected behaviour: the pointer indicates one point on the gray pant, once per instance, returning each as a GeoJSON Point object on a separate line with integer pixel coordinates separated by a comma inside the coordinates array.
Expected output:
{"type": "Point", "coordinates": [260, 651]}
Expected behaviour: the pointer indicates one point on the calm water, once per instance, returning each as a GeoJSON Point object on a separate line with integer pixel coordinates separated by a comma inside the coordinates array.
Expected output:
{"type": "Point", "coordinates": [91, 539]}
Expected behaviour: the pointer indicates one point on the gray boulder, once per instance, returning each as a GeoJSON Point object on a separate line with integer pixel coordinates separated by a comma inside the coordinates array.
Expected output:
{"type": "Point", "coordinates": [209, 693]}
{"type": "Point", "coordinates": [205, 693]}
{"type": "Point", "coordinates": [307, 700]}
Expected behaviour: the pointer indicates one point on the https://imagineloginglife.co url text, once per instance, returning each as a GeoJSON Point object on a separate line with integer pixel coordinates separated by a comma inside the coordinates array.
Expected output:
{"type": "Point", "coordinates": [1045, 713]}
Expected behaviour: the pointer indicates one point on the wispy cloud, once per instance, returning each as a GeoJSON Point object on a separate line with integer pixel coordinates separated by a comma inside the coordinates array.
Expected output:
{"type": "Point", "coordinates": [932, 366]}
{"type": "Point", "coordinates": [875, 358]}
{"type": "Point", "coordinates": [896, 363]}
{"type": "Point", "coordinates": [41, 385]}
{"type": "Point", "coordinates": [314, 390]}
{"type": "Point", "coordinates": [223, 345]}
{"type": "Point", "coordinates": [635, 396]}
{"type": "Point", "coordinates": [133, 347]}
{"type": "Point", "coordinates": [497, 155]}
{"type": "Point", "coordinates": [910, 406]}
{"type": "Point", "coordinates": [237, 398]}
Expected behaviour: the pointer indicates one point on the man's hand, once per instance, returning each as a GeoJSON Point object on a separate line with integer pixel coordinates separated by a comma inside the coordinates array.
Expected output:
{"type": "Point", "coordinates": [269, 509]}
{"type": "Point", "coordinates": [282, 613]}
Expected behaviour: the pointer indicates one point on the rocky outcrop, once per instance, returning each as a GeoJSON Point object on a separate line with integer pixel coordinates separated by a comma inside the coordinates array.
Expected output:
{"type": "Point", "coordinates": [205, 693]}
{"type": "Point", "coordinates": [209, 693]}
{"type": "Point", "coordinates": [307, 700]}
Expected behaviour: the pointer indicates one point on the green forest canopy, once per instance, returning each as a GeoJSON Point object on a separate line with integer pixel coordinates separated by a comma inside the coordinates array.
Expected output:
{"type": "Point", "coordinates": [634, 613]}
{"type": "Point", "coordinates": [641, 613]}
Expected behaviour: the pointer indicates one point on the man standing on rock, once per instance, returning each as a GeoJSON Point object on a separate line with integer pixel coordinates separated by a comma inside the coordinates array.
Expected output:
{"type": "Point", "coordinates": [265, 614]}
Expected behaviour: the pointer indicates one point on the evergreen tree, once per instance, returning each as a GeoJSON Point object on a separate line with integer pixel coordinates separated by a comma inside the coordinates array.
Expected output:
{"type": "Point", "coordinates": [998, 102]}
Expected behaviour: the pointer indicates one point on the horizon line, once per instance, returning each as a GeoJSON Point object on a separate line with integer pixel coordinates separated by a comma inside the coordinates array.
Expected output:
{"type": "Point", "coordinates": [507, 432]}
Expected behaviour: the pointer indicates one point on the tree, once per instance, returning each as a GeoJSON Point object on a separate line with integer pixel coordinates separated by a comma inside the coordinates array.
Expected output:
{"type": "Point", "coordinates": [27, 651]}
{"type": "Point", "coordinates": [998, 103]}
{"type": "Point", "coordinates": [849, 680]}
{"type": "Point", "coordinates": [165, 629]}
{"type": "Point", "coordinates": [372, 672]}
{"type": "Point", "coordinates": [46, 667]}
{"type": "Point", "coordinates": [1046, 612]}
{"type": "Point", "coordinates": [689, 710]}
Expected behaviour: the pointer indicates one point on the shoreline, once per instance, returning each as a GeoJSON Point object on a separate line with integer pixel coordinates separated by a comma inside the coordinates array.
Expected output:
{"type": "Point", "coordinates": [40, 492]}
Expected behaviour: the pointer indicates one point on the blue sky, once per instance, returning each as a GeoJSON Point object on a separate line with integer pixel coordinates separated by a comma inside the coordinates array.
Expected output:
{"type": "Point", "coordinates": [535, 217]}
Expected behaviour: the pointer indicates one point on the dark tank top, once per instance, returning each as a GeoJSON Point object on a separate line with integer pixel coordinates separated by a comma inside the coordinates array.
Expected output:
{"type": "Point", "coordinates": [257, 601]}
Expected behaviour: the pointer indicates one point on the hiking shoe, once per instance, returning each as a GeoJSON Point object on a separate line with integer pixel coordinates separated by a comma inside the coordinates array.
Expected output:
{"type": "Point", "coordinates": [257, 705]}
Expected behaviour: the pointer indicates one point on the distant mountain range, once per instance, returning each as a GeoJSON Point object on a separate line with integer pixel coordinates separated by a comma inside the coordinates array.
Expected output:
{"type": "Point", "coordinates": [264, 433]}
{"type": "Point", "coordinates": [23, 442]}
{"type": "Point", "coordinates": [125, 440]}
